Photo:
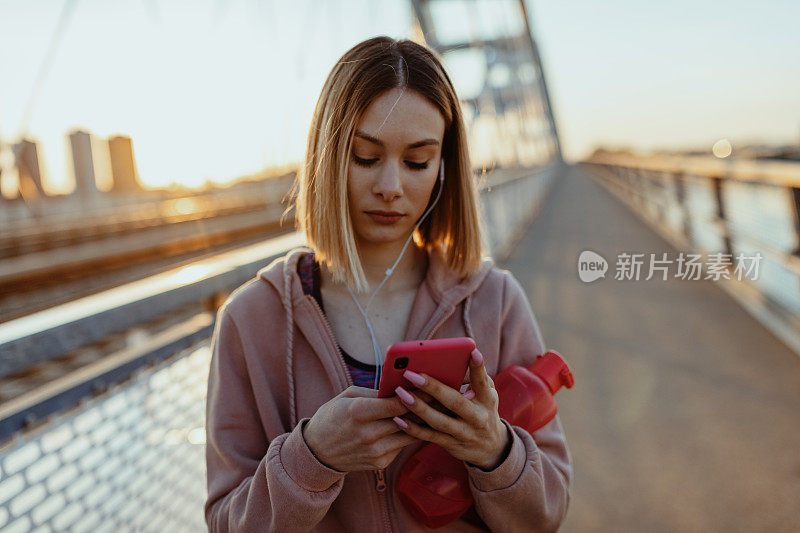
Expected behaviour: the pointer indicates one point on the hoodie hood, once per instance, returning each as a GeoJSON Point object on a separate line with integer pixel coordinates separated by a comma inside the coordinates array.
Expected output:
{"type": "Point", "coordinates": [446, 288]}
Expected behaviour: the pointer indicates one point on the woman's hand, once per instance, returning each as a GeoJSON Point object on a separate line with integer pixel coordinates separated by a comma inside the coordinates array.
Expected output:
{"type": "Point", "coordinates": [475, 434]}
{"type": "Point", "coordinates": [355, 431]}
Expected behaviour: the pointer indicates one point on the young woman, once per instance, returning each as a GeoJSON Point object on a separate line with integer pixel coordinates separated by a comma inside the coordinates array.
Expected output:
{"type": "Point", "coordinates": [297, 439]}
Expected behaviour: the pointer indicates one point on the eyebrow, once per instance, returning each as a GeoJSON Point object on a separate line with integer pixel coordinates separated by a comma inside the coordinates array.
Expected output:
{"type": "Point", "coordinates": [374, 140]}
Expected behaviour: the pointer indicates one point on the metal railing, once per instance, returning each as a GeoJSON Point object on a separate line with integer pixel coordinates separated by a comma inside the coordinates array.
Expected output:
{"type": "Point", "coordinates": [118, 442]}
{"type": "Point", "coordinates": [511, 204]}
{"type": "Point", "coordinates": [727, 207]}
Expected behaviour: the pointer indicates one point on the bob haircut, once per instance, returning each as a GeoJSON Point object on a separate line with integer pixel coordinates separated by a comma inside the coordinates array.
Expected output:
{"type": "Point", "coordinates": [361, 75]}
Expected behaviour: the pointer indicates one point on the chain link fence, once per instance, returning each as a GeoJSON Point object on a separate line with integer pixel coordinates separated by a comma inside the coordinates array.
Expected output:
{"type": "Point", "coordinates": [132, 459]}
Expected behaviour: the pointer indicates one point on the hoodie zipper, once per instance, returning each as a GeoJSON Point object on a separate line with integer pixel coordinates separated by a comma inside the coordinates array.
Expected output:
{"type": "Point", "coordinates": [380, 486]}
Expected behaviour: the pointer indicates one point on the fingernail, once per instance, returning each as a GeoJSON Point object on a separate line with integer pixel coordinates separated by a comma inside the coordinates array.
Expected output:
{"type": "Point", "coordinates": [400, 422]}
{"type": "Point", "coordinates": [404, 395]}
{"type": "Point", "coordinates": [470, 394]}
{"type": "Point", "coordinates": [414, 378]}
{"type": "Point", "coordinates": [477, 357]}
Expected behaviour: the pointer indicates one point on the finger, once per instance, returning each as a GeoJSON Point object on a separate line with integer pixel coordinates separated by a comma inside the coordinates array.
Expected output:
{"type": "Point", "coordinates": [449, 397]}
{"type": "Point", "coordinates": [434, 418]}
{"type": "Point", "coordinates": [422, 395]}
{"type": "Point", "coordinates": [368, 409]}
{"type": "Point", "coordinates": [480, 381]}
{"type": "Point", "coordinates": [436, 405]}
{"type": "Point", "coordinates": [413, 418]}
{"type": "Point", "coordinates": [430, 400]}
{"type": "Point", "coordinates": [389, 456]}
{"type": "Point", "coordinates": [354, 391]}
{"type": "Point", "coordinates": [396, 442]}
{"type": "Point", "coordinates": [444, 440]}
{"type": "Point", "coordinates": [377, 430]}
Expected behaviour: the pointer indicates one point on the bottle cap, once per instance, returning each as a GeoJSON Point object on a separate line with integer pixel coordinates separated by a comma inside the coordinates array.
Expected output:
{"type": "Point", "coordinates": [553, 370]}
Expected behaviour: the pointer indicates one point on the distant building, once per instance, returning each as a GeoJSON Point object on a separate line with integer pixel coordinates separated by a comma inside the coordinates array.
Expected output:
{"type": "Point", "coordinates": [123, 164]}
{"type": "Point", "coordinates": [83, 163]}
{"type": "Point", "coordinates": [28, 170]}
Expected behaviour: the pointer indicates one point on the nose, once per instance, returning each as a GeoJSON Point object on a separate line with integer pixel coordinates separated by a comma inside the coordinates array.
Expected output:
{"type": "Point", "coordinates": [387, 184]}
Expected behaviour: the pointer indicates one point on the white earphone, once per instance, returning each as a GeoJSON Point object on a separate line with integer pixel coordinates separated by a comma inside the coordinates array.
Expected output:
{"type": "Point", "coordinates": [376, 348]}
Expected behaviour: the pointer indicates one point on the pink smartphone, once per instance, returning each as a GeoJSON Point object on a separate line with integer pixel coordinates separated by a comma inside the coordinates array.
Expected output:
{"type": "Point", "coordinates": [446, 360]}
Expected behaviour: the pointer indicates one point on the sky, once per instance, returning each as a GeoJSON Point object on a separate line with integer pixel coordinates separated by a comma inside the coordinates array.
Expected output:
{"type": "Point", "coordinates": [671, 75]}
{"type": "Point", "coordinates": [210, 90]}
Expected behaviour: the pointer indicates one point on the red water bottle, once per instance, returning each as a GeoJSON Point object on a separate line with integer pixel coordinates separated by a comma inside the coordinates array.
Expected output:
{"type": "Point", "coordinates": [434, 486]}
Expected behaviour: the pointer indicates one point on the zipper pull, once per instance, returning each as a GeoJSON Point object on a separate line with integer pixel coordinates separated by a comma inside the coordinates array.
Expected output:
{"type": "Point", "coordinates": [380, 484]}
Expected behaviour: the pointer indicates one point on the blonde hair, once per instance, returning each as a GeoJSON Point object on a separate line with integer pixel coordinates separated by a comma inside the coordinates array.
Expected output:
{"type": "Point", "coordinates": [361, 75]}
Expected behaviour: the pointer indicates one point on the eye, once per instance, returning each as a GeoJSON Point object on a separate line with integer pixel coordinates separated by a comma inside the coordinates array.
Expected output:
{"type": "Point", "coordinates": [363, 162]}
{"type": "Point", "coordinates": [417, 166]}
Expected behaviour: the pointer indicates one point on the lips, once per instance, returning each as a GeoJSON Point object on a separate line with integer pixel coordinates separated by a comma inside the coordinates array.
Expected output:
{"type": "Point", "coordinates": [385, 217]}
{"type": "Point", "coordinates": [384, 213]}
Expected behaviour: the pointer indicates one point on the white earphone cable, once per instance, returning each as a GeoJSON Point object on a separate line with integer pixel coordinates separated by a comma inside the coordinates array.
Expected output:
{"type": "Point", "coordinates": [376, 348]}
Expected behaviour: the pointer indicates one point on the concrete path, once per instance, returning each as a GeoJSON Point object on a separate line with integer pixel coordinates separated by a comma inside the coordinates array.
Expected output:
{"type": "Point", "coordinates": [685, 415]}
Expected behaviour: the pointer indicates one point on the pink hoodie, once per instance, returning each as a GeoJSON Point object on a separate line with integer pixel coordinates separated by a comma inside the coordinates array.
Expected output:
{"type": "Point", "coordinates": [275, 362]}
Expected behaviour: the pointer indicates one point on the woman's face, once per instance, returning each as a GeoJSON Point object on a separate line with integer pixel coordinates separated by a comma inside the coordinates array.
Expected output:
{"type": "Point", "coordinates": [394, 165]}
